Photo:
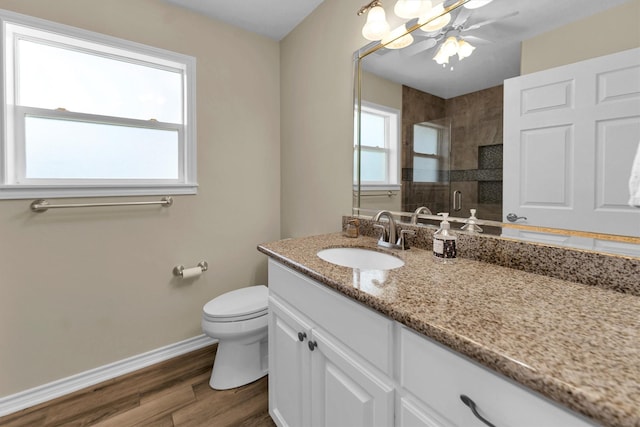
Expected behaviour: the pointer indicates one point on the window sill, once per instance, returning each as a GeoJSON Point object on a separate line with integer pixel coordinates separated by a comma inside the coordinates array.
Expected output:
{"type": "Point", "coordinates": [385, 187]}
{"type": "Point", "coordinates": [8, 192]}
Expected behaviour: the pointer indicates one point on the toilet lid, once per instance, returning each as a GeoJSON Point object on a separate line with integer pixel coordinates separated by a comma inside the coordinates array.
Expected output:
{"type": "Point", "coordinates": [239, 303]}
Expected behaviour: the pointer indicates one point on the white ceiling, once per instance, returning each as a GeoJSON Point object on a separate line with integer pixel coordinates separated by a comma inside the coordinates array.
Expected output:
{"type": "Point", "coordinates": [271, 18]}
{"type": "Point", "coordinates": [491, 63]}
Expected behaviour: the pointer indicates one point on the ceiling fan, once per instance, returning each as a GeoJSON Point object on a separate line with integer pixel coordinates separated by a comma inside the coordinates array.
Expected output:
{"type": "Point", "coordinates": [458, 29]}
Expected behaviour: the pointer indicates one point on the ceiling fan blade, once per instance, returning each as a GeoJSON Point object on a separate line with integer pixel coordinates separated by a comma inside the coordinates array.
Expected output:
{"type": "Point", "coordinates": [461, 17]}
{"type": "Point", "coordinates": [477, 40]}
{"type": "Point", "coordinates": [487, 22]}
{"type": "Point", "coordinates": [419, 47]}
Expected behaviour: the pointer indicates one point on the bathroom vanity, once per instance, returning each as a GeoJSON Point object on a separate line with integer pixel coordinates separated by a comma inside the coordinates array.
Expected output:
{"type": "Point", "coordinates": [427, 344]}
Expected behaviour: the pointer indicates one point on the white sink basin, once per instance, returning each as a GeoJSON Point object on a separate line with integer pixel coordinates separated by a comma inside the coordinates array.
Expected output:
{"type": "Point", "coordinates": [363, 259]}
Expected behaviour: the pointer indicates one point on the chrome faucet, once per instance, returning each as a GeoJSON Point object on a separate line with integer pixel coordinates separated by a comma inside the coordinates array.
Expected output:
{"type": "Point", "coordinates": [387, 240]}
{"type": "Point", "coordinates": [421, 210]}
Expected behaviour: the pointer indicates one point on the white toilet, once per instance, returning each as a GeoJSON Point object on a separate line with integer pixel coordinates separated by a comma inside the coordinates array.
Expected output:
{"type": "Point", "coordinates": [238, 320]}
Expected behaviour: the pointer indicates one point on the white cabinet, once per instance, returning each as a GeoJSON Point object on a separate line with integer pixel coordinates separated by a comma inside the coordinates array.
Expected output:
{"type": "Point", "coordinates": [289, 367]}
{"type": "Point", "coordinates": [316, 378]}
{"type": "Point", "coordinates": [334, 362]}
{"type": "Point", "coordinates": [433, 380]}
{"type": "Point", "coordinates": [344, 391]}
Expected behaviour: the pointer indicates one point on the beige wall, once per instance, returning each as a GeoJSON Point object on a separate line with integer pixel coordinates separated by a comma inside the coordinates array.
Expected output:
{"type": "Point", "coordinates": [317, 118]}
{"type": "Point", "coordinates": [381, 91]}
{"type": "Point", "coordinates": [83, 288]}
{"type": "Point", "coordinates": [608, 32]}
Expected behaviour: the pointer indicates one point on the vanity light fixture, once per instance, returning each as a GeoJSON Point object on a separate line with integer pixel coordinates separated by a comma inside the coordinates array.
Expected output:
{"type": "Point", "coordinates": [437, 23]}
{"type": "Point", "coordinates": [409, 9]}
{"type": "Point", "coordinates": [394, 41]}
{"type": "Point", "coordinates": [376, 26]}
{"type": "Point", "coordinates": [431, 18]}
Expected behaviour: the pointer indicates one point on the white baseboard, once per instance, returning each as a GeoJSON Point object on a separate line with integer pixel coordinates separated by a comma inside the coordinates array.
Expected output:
{"type": "Point", "coordinates": [52, 390]}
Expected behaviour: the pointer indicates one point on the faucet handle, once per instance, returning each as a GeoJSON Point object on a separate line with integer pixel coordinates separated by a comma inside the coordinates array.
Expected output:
{"type": "Point", "coordinates": [383, 235]}
{"type": "Point", "coordinates": [402, 240]}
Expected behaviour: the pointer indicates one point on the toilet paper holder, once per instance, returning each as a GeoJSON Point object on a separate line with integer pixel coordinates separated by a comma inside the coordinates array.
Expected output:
{"type": "Point", "coordinates": [179, 270]}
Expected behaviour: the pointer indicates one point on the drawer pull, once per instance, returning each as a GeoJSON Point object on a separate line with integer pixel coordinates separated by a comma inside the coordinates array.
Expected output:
{"type": "Point", "coordinates": [472, 405]}
{"type": "Point", "coordinates": [302, 336]}
{"type": "Point", "coordinates": [312, 345]}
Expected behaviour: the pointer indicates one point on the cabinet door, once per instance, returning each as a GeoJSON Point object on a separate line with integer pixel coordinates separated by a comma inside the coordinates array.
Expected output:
{"type": "Point", "coordinates": [289, 366]}
{"type": "Point", "coordinates": [413, 414]}
{"type": "Point", "coordinates": [344, 392]}
{"type": "Point", "coordinates": [437, 377]}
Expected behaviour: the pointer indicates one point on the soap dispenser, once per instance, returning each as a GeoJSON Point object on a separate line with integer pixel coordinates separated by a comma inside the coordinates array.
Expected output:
{"type": "Point", "coordinates": [471, 223]}
{"type": "Point", "coordinates": [352, 229]}
{"type": "Point", "coordinates": [444, 242]}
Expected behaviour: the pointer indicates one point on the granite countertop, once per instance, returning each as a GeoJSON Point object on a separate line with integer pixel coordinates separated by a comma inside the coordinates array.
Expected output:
{"type": "Point", "coordinates": [576, 344]}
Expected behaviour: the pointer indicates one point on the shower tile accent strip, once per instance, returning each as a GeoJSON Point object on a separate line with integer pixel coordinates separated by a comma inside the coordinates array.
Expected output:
{"type": "Point", "coordinates": [615, 272]}
{"type": "Point", "coordinates": [578, 345]}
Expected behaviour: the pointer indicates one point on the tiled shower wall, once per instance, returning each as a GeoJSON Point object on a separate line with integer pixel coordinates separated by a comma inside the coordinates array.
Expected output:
{"type": "Point", "coordinates": [476, 151]}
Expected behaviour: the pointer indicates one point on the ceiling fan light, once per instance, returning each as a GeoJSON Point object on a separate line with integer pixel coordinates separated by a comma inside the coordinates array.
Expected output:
{"type": "Point", "coordinates": [376, 26]}
{"type": "Point", "coordinates": [409, 9]}
{"type": "Point", "coordinates": [431, 23]}
{"type": "Point", "coordinates": [440, 57]}
{"type": "Point", "coordinates": [400, 40]}
{"type": "Point", "coordinates": [475, 4]}
{"type": "Point", "coordinates": [465, 49]}
{"type": "Point", "coordinates": [450, 46]}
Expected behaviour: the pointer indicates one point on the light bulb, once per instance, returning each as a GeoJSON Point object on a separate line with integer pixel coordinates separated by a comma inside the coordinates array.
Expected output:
{"type": "Point", "coordinates": [404, 41]}
{"type": "Point", "coordinates": [465, 49]}
{"type": "Point", "coordinates": [409, 9]}
{"type": "Point", "coordinates": [450, 46]}
{"type": "Point", "coordinates": [376, 26]}
{"type": "Point", "coordinates": [431, 24]}
{"type": "Point", "coordinates": [474, 4]}
{"type": "Point", "coordinates": [441, 58]}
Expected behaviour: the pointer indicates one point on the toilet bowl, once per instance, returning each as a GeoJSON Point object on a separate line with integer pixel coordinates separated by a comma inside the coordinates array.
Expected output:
{"type": "Point", "coordinates": [238, 320]}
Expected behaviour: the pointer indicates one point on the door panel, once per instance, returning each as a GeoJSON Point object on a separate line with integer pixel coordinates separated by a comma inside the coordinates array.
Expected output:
{"type": "Point", "coordinates": [344, 392]}
{"type": "Point", "coordinates": [569, 138]}
{"type": "Point", "coordinates": [288, 367]}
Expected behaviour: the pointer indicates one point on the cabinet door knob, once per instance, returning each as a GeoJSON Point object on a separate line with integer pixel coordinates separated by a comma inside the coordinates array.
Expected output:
{"type": "Point", "coordinates": [302, 336]}
{"type": "Point", "coordinates": [312, 345]}
{"type": "Point", "coordinates": [472, 405]}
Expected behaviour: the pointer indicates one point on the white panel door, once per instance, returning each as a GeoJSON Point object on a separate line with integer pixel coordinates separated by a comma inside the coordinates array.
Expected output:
{"type": "Point", "coordinates": [570, 134]}
{"type": "Point", "coordinates": [344, 392]}
{"type": "Point", "coordinates": [289, 367]}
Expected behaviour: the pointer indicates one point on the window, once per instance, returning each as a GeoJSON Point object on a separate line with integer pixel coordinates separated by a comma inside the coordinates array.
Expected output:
{"type": "Point", "coordinates": [90, 115]}
{"type": "Point", "coordinates": [427, 143]}
{"type": "Point", "coordinates": [379, 137]}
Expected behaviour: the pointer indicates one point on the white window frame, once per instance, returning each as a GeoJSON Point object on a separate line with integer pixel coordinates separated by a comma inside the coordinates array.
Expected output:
{"type": "Point", "coordinates": [13, 183]}
{"type": "Point", "coordinates": [392, 118]}
{"type": "Point", "coordinates": [437, 155]}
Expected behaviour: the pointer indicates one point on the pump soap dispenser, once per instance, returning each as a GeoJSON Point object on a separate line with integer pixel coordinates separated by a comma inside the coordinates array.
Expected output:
{"type": "Point", "coordinates": [471, 223]}
{"type": "Point", "coordinates": [444, 242]}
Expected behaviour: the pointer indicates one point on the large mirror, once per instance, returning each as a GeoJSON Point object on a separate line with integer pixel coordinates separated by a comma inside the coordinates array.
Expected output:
{"type": "Point", "coordinates": [430, 132]}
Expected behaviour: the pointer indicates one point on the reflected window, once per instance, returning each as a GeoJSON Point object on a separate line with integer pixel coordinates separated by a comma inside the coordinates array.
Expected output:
{"type": "Point", "coordinates": [379, 141]}
{"type": "Point", "coordinates": [427, 143]}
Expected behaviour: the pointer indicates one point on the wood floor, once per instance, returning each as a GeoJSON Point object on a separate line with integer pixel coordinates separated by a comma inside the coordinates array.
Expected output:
{"type": "Point", "coordinates": [172, 393]}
